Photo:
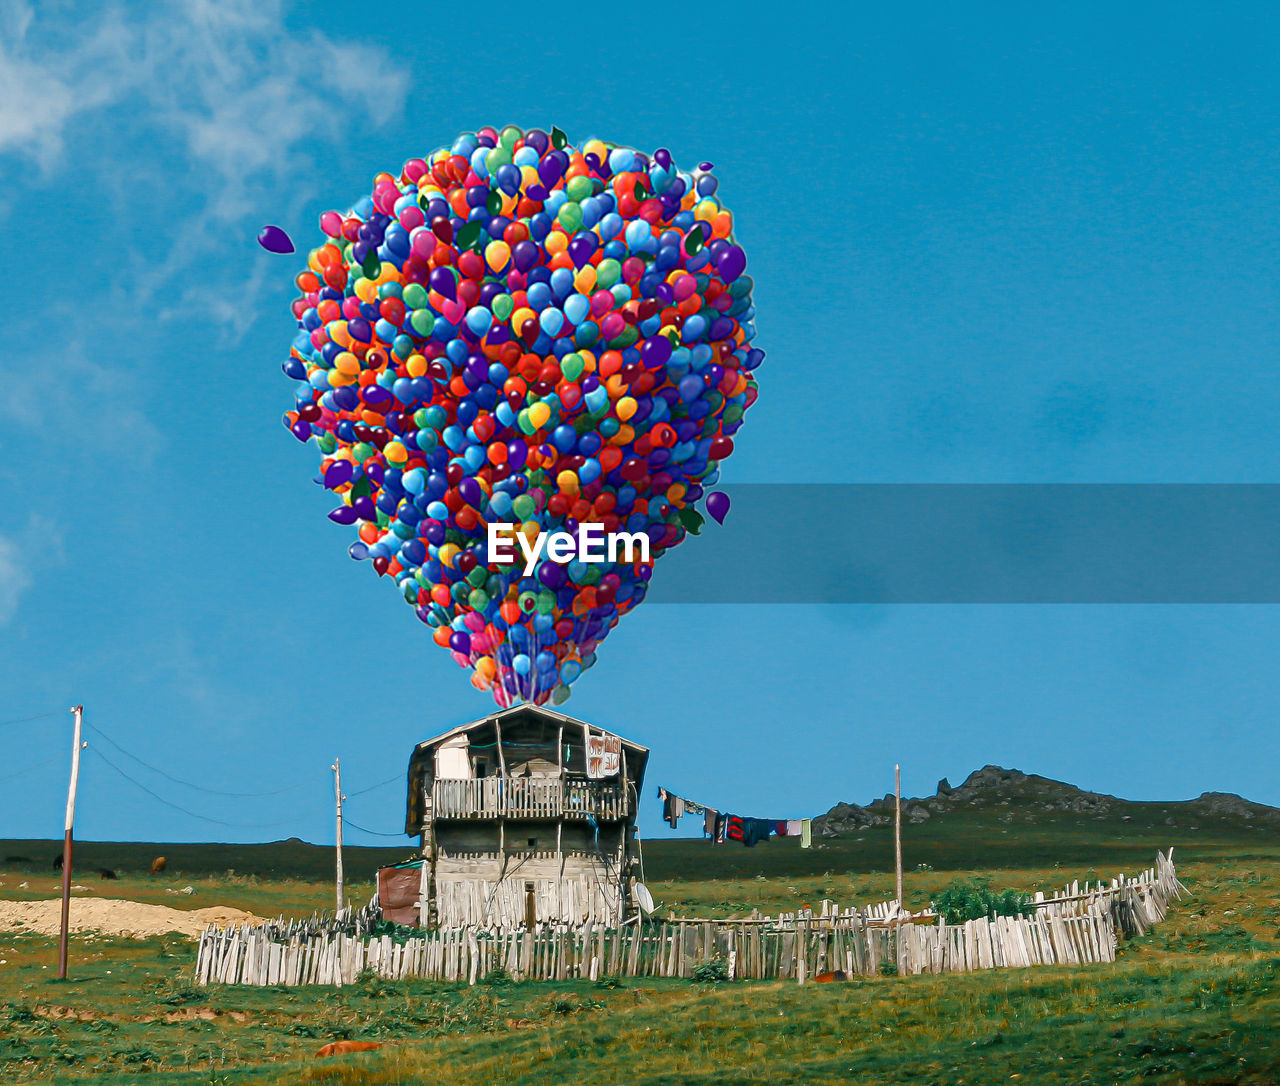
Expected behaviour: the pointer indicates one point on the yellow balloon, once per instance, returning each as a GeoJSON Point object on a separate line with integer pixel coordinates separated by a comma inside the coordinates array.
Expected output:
{"type": "Point", "coordinates": [447, 554]}
{"type": "Point", "coordinates": [539, 413]}
{"type": "Point", "coordinates": [346, 363]}
{"type": "Point", "coordinates": [568, 481]}
{"type": "Point", "coordinates": [416, 365]}
{"type": "Point", "coordinates": [626, 407]}
{"type": "Point", "coordinates": [497, 255]}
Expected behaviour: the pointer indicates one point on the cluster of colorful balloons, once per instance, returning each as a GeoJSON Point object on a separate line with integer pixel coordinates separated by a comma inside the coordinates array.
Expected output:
{"type": "Point", "coordinates": [517, 330]}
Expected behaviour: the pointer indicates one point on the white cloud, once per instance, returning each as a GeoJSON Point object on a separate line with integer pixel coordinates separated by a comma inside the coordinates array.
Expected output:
{"type": "Point", "coordinates": [17, 568]}
{"type": "Point", "coordinates": [15, 578]}
{"type": "Point", "coordinates": [105, 402]}
{"type": "Point", "coordinates": [255, 106]}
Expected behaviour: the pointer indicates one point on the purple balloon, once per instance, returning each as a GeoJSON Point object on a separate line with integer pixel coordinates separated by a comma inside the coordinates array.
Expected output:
{"type": "Point", "coordinates": [732, 263]}
{"type": "Point", "coordinates": [339, 473]}
{"type": "Point", "coordinates": [275, 240]}
{"type": "Point", "coordinates": [718, 505]}
{"type": "Point", "coordinates": [550, 170]}
{"type": "Point", "coordinates": [443, 282]}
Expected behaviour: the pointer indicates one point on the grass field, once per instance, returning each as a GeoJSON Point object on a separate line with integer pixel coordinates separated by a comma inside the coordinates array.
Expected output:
{"type": "Point", "coordinates": [1195, 1001]}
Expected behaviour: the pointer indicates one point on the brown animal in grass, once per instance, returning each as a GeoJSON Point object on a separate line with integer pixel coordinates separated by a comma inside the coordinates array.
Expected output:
{"type": "Point", "coordinates": [827, 978]}
{"type": "Point", "coordinates": [107, 873]}
{"type": "Point", "coordinates": [158, 865]}
{"type": "Point", "coordinates": [341, 1048]}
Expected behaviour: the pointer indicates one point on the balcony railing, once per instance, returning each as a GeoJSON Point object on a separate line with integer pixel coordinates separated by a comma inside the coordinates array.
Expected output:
{"type": "Point", "coordinates": [527, 797]}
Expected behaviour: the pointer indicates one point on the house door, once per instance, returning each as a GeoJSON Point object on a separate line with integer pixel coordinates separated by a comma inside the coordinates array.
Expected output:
{"type": "Point", "coordinates": [530, 907]}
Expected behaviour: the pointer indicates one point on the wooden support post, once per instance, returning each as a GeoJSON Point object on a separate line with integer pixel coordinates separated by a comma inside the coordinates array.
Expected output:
{"type": "Point", "coordinates": [337, 795]}
{"type": "Point", "coordinates": [897, 829]}
{"type": "Point", "coordinates": [65, 928]}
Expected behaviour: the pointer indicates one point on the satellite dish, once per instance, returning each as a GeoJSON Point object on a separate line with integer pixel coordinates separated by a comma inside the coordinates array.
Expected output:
{"type": "Point", "coordinates": [644, 899]}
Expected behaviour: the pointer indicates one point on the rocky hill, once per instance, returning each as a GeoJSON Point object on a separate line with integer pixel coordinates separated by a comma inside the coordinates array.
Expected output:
{"type": "Point", "coordinates": [1009, 795]}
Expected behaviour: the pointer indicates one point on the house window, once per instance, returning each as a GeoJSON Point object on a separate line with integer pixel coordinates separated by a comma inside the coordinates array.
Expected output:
{"type": "Point", "coordinates": [482, 767]}
{"type": "Point", "coordinates": [533, 842]}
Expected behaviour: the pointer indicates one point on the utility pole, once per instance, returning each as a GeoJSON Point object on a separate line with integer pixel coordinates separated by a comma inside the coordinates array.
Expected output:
{"type": "Point", "coordinates": [897, 828]}
{"type": "Point", "coordinates": [338, 797]}
{"type": "Point", "coordinates": [78, 712]}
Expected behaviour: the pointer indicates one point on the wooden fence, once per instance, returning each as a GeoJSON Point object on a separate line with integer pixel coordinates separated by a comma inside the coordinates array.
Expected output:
{"type": "Point", "coordinates": [1076, 926]}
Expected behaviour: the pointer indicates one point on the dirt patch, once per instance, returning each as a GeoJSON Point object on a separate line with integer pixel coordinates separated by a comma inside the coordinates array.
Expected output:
{"type": "Point", "coordinates": [112, 916]}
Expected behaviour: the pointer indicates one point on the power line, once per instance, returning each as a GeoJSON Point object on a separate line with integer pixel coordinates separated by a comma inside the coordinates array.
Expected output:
{"type": "Point", "coordinates": [380, 784]}
{"type": "Point", "coordinates": [29, 719]}
{"type": "Point", "coordinates": [374, 833]}
{"type": "Point", "coordinates": [38, 765]}
{"type": "Point", "coordinates": [192, 784]}
{"type": "Point", "coordinates": [184, 810]}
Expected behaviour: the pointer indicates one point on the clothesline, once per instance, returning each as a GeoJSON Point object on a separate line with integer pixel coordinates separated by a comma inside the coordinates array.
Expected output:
{"type": "Point", "coordinates": [721, 827]}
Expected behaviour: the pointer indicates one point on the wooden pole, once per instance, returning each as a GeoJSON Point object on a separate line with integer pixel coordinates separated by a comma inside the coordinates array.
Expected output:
{"type": "Point", "coordinates": [337, 796]}
{"type": "Point", "coordinates": [897, 828]}
{"type": "Point", "coordinates": [78, 712]}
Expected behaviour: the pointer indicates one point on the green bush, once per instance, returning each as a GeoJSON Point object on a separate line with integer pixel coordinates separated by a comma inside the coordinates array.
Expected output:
{"type": "Point", "coordinates": [712, 971]}
{"type": "Point", "coordinates": [973, 899]}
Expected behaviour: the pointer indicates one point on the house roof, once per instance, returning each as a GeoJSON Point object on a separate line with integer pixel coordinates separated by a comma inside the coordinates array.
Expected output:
{"type": "Point", "coordinates": [423, 753]}
{"type": "Point", "coordinates": [520, 711]}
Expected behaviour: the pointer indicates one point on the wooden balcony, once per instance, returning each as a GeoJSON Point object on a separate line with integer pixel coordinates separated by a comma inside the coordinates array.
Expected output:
{"type": "Point", "coordinates": [528, 798]}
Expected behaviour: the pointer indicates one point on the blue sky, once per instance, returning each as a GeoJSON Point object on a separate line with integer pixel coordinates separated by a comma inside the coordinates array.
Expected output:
{"type": "Point", "coordinates": [989, 245]}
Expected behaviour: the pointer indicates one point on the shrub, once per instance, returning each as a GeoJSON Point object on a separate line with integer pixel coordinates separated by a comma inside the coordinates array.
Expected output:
{"type": "Point", "coordinates": [888, 968]}
{"type": "Point", "coordinates": [973, 899]}
{"type": "Point", "coordinates": [497, 977]}
{"type": "Point", "coordinates": [712, 971]}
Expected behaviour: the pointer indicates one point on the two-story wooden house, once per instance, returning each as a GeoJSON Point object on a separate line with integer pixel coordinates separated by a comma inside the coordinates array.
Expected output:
{"type": "Point", "coordinates": [527, 816]}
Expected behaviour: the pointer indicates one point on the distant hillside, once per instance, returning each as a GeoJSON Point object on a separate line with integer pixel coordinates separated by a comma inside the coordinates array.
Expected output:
{"type": "Point", "coordinates": [1013, 797]}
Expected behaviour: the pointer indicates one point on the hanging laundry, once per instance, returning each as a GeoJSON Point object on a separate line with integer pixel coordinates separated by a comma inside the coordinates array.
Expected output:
{"type": "Point", "coordinates": [780, 827]}
{"type": "Point", "coordinates": [709, 820]}
{"type": "Point", "coordinates": [672, 807]}
{"type": "Point", "coordinates": [750, 831]}
{"type": "Point", "coordinates": [806, 832]}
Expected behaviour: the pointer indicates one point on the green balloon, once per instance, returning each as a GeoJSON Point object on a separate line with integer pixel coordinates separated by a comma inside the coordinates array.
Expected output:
{"type": "Point", "coordinates": [608, 273]}
{"type": "Point", "coordinates": [629, 336]}
{"type": "Point", "coordinates": [571, 365]}
{"type": "Point", "coordinates": [509, 136]}
{"type": "Point", "coordinates": [327, 442]}
{"type": "Point", "coordinates": [414, 296]}
{"type": "Point", "coordinates": [477, 600]}
{"type": "Point", "coordinates": [503, 306]}
{"type": "Point", "coordinates": [477, 577]}
{"type": "Point", "coordinates": [570, 218]}
{"type": "Point", "coordinates": [546, 601]}
{"type": "Point", "coordinates": [423, 320]}
{"type": "Point", "coordinates": [524, 507]}
{"type": "Point", "coordinates": [362, 452]}
{"type": "Point", "coordinates": [499, 156]}
{"type": "Point", "coordinates": [578, 189]}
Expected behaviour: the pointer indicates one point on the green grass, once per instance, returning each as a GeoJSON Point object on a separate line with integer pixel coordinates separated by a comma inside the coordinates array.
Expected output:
{"type": "Point", "coordinates": [1192, 1002]}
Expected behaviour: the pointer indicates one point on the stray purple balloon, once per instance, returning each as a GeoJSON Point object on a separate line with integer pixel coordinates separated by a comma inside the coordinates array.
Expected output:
{"type": "Point", "coordinates": [275, 240]}
{"type": "Point", "coordinates": [718, 505]}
